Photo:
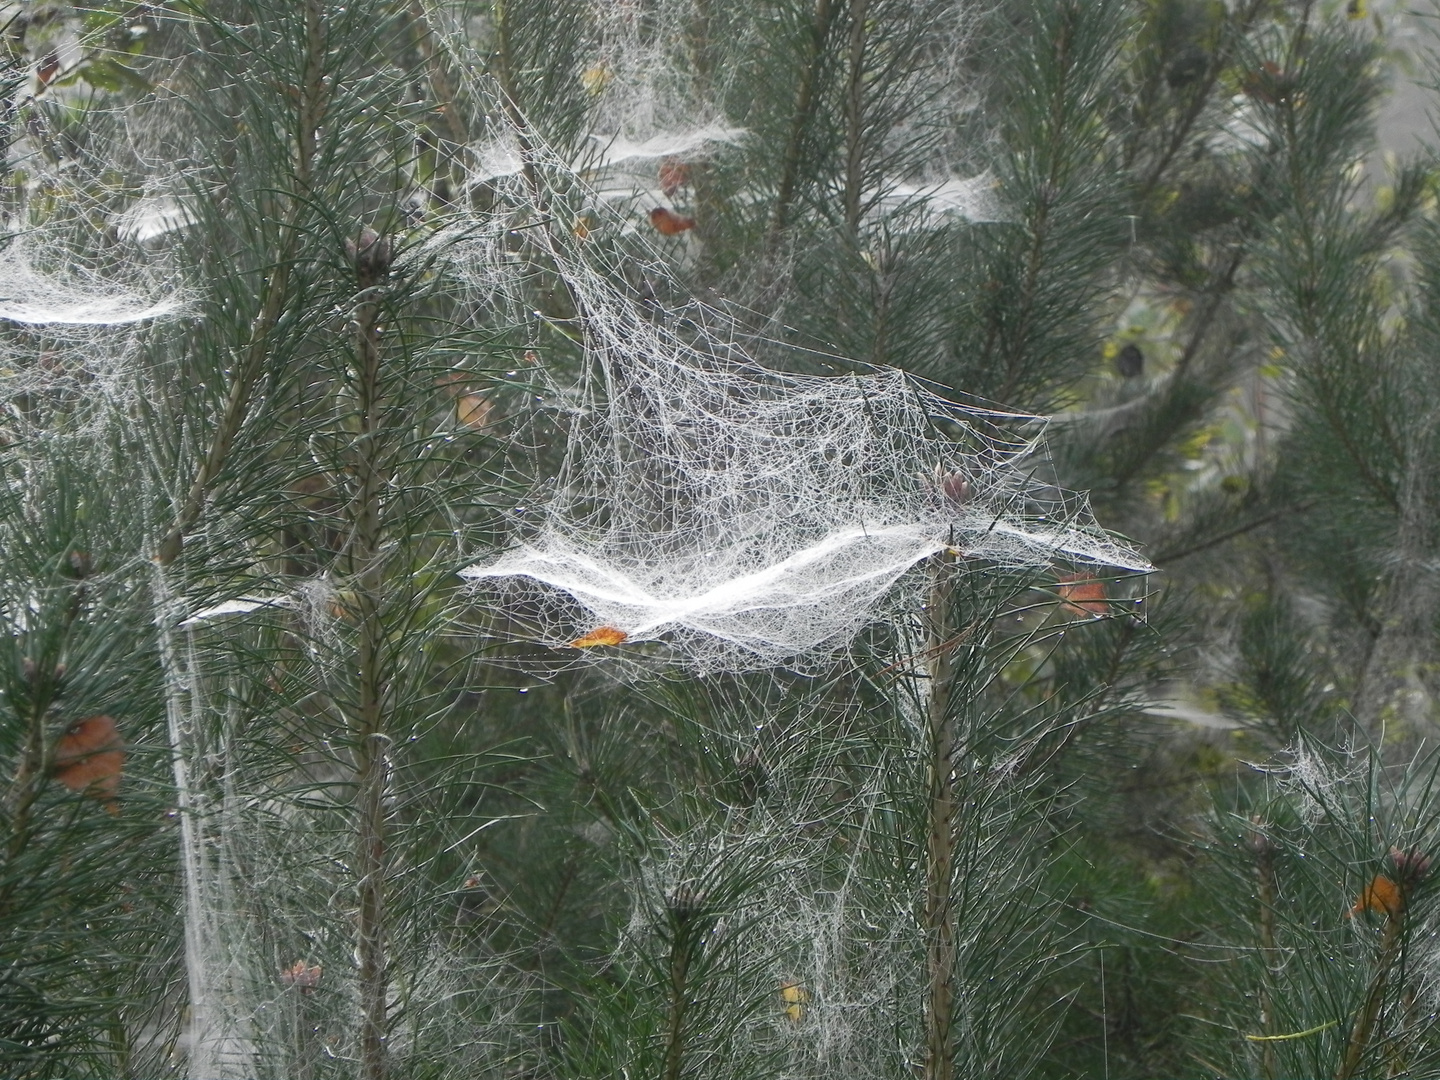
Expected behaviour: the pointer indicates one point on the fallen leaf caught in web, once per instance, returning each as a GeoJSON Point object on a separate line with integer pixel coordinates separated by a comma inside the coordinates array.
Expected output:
{"type": "Point", "coordinates": [1085, 596]}
{"type": "Point", "coordinates": [595, 79]}
{"type": "Point", "coordinates": [669, 223]}
{"type": "Point", "coordinates": [1381, 895]}
{"type": "Point", "coordinates": [89, 758]}
{"type": "Point", "coordinates": [605, 635]}
{"type": "Point", "coordinates": [795, 997]}
{"type": "Point", "coordinates": [304, 977]}
{"type": "Point", "coordinates": [473, 410]}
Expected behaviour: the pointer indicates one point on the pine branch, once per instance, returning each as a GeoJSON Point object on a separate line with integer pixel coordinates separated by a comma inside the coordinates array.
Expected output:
{"type": "Point", "coordinates": [1168, 556]}
{"type": "Point", "coordinates": [803, 113]}
{"type": "Point", "coordinates": [313, 94]}
{"type": "Point", "coordinates": [1201, 97]}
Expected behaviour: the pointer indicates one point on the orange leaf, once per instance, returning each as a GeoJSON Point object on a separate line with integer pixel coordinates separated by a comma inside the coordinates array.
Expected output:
{"type": "Point", "coordinates": [301, 975]}
{"type": "Point", "coordinates": [669, 223]}
{"type": "Point", "coordinates": [1381, 895]}
{"type": "Point", "coordinates": [1083, 596]}
{"type": "Point", "coordinates": [605, 635]}
{"type": "Point", "coordinates": [674, 174]}
{"type": "Point", "coordinates": [89, 758]}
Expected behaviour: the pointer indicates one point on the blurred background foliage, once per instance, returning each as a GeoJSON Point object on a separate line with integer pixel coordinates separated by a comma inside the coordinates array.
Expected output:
{"type": "Point", "coordinates": [1193, 811]}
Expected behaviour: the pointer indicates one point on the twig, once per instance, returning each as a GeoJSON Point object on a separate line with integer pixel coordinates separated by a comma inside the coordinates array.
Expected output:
{"type": "Point", "coordinates": [928, 653]}
{"type": "Point", "coordinates": [1230, 534]}
{"type": "Point", "coordinates": [686, 923]}
{"type": "Point", "coordinates": [1265, 884]}
{"type": "Point", "coordinates": [1288, 1036]}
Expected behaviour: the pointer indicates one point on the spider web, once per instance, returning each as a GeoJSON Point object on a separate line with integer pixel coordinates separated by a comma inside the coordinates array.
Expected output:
{"type": "Point", "coordinates": [716, 512]}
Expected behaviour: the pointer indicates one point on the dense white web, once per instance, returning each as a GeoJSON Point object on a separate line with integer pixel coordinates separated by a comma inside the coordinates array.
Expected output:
{"type": "Point", "coordinates": [76, 298]}
{"type": "Point", "coordinates": [746, 517]}
{"type": "Point", "coordinates": [734, 515]}
{"type": "Point", "coordinates": [718, 505]}
{"type": "Point", "coordinates": [33, 298]}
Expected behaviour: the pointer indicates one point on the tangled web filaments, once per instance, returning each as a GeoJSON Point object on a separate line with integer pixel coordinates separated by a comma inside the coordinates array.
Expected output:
{"type": "Point", "coordinates": [745, 517]}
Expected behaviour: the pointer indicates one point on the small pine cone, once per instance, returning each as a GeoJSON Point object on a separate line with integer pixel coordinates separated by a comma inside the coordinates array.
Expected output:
{"type": "Point", "coordinates": [686, 904]}
{"type": "Point", "coordinates": [957, 489]}
{"type": "Point", "coordinates": [1411, 866]}
{"type": "Point", "coordinates": [370, 256]}
{"type": "Point", "coordinates": [1130, 362]}
{"type": "Point", "coordinates": [1260, 843]}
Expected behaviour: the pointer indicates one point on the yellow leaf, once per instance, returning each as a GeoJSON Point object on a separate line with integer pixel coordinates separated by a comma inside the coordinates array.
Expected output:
{"type": "Point", "coordinates": [595, 79]}
{"type": "Point", "coordinates": [795, 997]}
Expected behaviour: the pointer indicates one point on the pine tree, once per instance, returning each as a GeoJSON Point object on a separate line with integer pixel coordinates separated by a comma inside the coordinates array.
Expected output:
{"type": "Point", "coordinates": [312, 305]}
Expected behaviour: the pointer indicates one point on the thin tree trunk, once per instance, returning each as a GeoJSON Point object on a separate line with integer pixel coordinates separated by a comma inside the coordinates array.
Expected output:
{"type": "Point", "coordinates": [1391, 940]}
{"type": "Point", "coordinates": [372, 742]}
{"type": "Point", "coordinates": [940, 838]}
{"type": "Point", "coordinates": [679, 991]}
{"type": "Point", "coordinates": [1265, 886]}
{"type": "Point", "coordinates": [855, 116]}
